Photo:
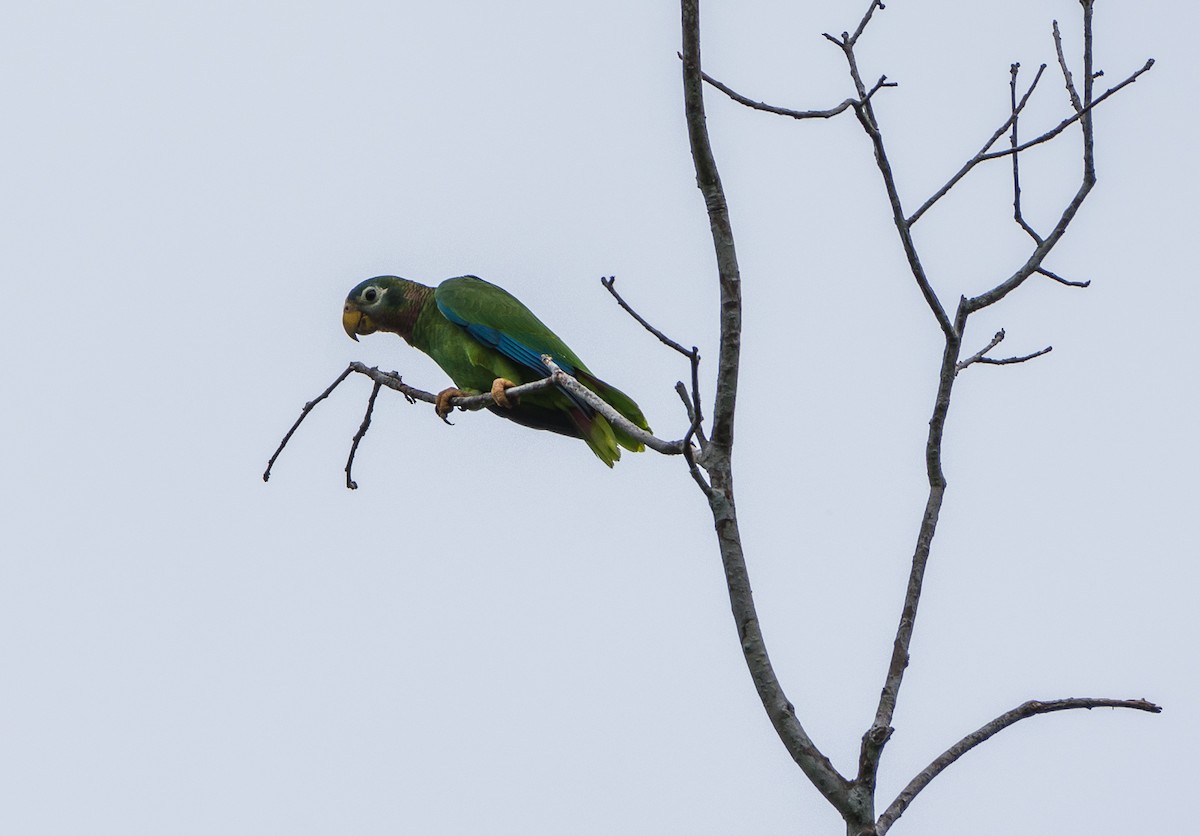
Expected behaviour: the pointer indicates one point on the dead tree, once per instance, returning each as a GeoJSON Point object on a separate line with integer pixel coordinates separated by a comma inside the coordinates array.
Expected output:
{"type": "Point", "coordinates": [707, 445]}
{"type": "Point", "coordinates": [854, 797]}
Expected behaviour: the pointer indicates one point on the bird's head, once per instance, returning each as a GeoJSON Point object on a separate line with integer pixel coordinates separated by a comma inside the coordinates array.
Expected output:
{"type": "Point", "coordinates": [384, 303]}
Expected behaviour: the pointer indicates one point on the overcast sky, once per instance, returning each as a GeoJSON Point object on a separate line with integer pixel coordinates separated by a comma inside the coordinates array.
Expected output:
{"type": "Point", "coordinates": [496, 633]}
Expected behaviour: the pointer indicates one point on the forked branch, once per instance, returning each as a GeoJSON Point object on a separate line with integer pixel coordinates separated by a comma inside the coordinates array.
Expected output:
{"type": "Point", "coordinates": [870, 124]}
{"type": "Point", "coordinates": [981, 356]}
{"type": "Point", "coordinates": [986, 153]}
{"type": "Point", "coordinates": [392, 380]}
{"type": "Point", "coordinates": [876, 737]}
{"type": "Point", "coordinates": [691, 402]}
{"type": "Point", "coordinates": [1032, 708]}
{"type": "Point", "coordinates": [855, 800]}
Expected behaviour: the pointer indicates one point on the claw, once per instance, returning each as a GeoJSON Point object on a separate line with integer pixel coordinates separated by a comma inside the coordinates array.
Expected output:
{"type": "Point", "coordinates": [442, 405]}
{"type": "Point", "coordinates": [498, 393]}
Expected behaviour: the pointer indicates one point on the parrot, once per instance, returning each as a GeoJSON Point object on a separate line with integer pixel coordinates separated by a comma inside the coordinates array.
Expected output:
{"type": "Point", "coordinates": [486, 340]}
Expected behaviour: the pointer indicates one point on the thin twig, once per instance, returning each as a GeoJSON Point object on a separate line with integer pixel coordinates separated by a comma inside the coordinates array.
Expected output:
{"type": "Point", "coordinates": [866, 117]}
{"type": "Point", "coordinates": [974, 161]}
{"type": "Point", "coordinates": [609, 283]}
{"type": "Point", "coordinates": [1016, 165]}
{"type": "Point", "coordinates": [689, 452]}
{"type": "Point", "coordinates": [1031, 708]}
{"type": "Point", "coordinates": [308, 407]}
{"type": "Point", "coordinates": [1008, 361]}
{"type": "Point", "coordinates": [1061, 280]}
{"type": "Point", "coordinates": [358, 436]}
{"type": "Point", "coordinates": [1070, 120]}
{"type": "Point", "coordinates": [1066, 70]}
{"type": "Point", "coordinates": [851, 40]}
{"type": "Point", "coordinates": [691, 403]}
{"type": "Point", "coordinates": [978, 355]}
{"type": "Point", "coordinates": [697, 427]}
{"type": "Point", "coordinates": [682, 391]}
{"type": "Point", "coordinates": [981, 355]}
{"type": "Point", "coordinates": [984, 155]}
{"type": "Point", "coordinates": [695, 413]}
{"type": "Point", "coordinates": [1034, 262]}
{"type": "Point", "coordinates": [795, 114]}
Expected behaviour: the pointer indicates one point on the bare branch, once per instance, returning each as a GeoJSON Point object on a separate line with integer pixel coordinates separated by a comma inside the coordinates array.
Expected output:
{"type": "Point", "coordinates": [682, 391]}
{"type": "Point", "coordinates": [1016, 164]}
{"type": "Point", "coordinates": [466, 403]}
{"type": "Point", "coordinates": [709, 182]}
{"type": "Point", "coordinates": [1021, 712]}
{"type": "Point", "coordinates": [848, 40]}
{"type": "Point", "coordinates": [392, 380]}
{"type": "Point", "coordinates": [1066, 70]}
{"type": "Point", "coordinates": [866, 117]}
{"type": "Point", "coordinates": [609, 283]}
{"type": "Point", "coordinates": [883, 82]}
{"type": "Point", "coordinates": [1070, 120]}
{"type": "Point", "coordinates": [889, 694]}
{"type": "Point", "coordinates": [978, 158]}
{"type": "Point", "coordinates": [567, 382]}
{"type": "Point", "coordinates": [1008, 361]}
{"type": "Point", "coordinates": [691, 403]}
{"type": "Point", "coordinates": [978, 355]}
{"type": "Point", "coordinates": [1061, 280]}
{"type": "Point", "coordinates": [693, 406]}
{"type": "Point", "coordinates": [984, 155]}
{"type": "Point", "coordinates": [562, 380]}
{"type": "Point", "coordinates": [981, 355]}
{"type": "Point", "coordinates": [875, 737]}
{"type": "Point", "coordinates": [1034, 262]}
{"type": "Point", "coordinates": [694, 410]}
{"type": "Point", "coordinates": [862, 26]}
{"type": "Point", "coordinates": [308, 407]}
{"type": "Point", "coordinates": [1089, 86]}
{"type": "Point", "coordinates": [697, 426]}
{"type": "Point", "coordinates": [795, 114]}
{"type": "Point", "coordinates": [358, 436]}
{"type": "Point", "coordinates": [815, 765]}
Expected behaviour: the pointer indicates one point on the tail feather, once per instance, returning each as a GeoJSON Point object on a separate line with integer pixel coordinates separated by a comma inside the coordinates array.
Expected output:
{"type": "Point", "coordinates": [598, 434]}
{"type": "Point", "coordinates": [623, 404]}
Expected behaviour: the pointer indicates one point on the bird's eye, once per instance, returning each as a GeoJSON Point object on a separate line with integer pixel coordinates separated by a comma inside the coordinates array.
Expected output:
{"type": "Point", "coordinates": [370, 295]}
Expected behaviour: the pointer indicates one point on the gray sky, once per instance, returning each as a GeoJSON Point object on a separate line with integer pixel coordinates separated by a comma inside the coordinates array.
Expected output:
{"type": "Point", "coordinates": [497, 634]}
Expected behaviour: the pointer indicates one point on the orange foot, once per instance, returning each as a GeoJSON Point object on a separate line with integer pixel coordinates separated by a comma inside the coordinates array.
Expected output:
{"type": "Point", "coordinates": [442, 405]}
{"type": "Point", "coordinates": [498, 393]}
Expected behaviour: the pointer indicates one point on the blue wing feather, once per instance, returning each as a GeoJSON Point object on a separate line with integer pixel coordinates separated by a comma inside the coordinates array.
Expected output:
{"type": "Point", "coordinates": [510, 347]}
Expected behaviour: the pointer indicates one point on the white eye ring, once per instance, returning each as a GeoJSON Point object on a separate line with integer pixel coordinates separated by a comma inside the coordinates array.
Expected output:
{"type": "Point", "coordinates": [371, 295]}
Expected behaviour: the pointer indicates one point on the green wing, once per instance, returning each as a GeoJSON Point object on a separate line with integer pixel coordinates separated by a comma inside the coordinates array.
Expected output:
{"type": "Point", "coordinates": [495, 318]}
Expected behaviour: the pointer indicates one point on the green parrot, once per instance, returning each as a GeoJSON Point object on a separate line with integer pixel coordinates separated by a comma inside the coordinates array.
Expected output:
{"type": "Point", "coordinates": [487, 341]}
